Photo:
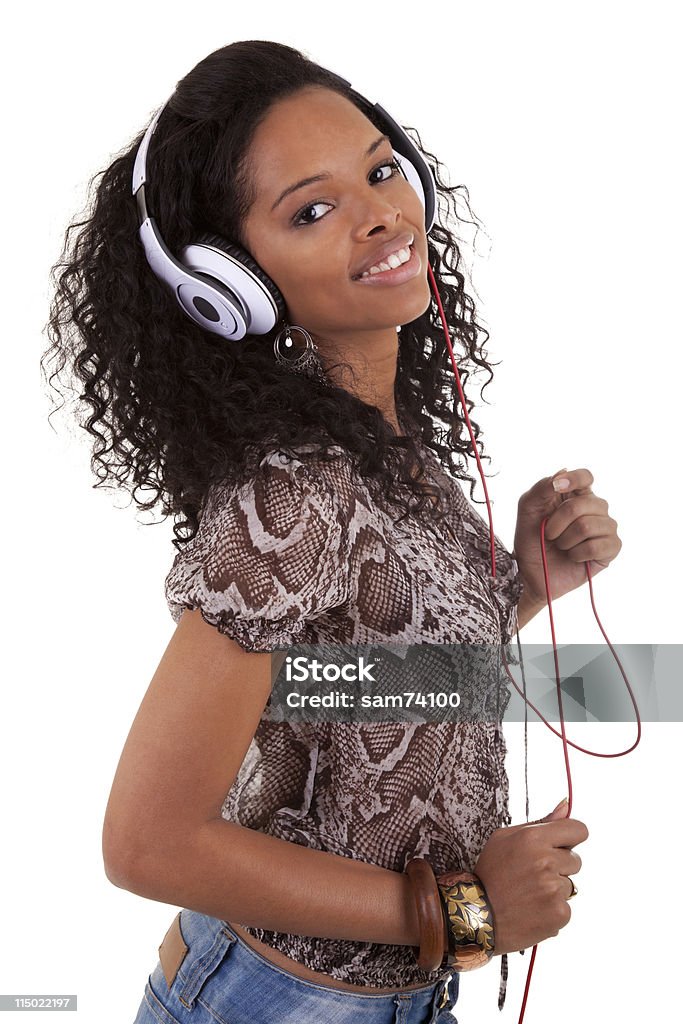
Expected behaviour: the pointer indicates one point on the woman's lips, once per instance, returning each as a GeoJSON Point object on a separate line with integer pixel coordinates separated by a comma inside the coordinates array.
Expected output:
{"type": "Point", "coordinates": [398, 275]}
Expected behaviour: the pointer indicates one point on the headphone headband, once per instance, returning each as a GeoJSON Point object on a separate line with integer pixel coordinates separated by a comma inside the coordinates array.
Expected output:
{"type": "Point", "coordinates": [140, 167]}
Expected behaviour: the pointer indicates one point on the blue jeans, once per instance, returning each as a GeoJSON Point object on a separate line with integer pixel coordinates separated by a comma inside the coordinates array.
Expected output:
{"type": "Point", "coordinates": [221, 978]}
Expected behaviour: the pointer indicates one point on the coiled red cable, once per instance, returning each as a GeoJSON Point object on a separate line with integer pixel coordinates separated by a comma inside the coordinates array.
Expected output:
{"type": "Point", "coordinates": [565, 741]}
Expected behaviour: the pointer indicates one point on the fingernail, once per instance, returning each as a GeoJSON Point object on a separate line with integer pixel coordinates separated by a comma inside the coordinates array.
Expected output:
{"type": "Point", "coordinates": [561, 484]}
{"type": "Point", "coordinates": [561, 804]}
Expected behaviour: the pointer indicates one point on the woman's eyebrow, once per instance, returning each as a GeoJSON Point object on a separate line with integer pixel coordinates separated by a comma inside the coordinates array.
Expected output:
{"type": "Point", "coordinates": [326, 174]}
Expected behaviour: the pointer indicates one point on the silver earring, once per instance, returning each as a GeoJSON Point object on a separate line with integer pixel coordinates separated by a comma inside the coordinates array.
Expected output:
{"type": "Point", "coordinates": [308, 363]}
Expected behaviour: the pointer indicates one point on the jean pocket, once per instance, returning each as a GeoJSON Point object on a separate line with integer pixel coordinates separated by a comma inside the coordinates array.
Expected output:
{"type": "Point", "coordinates": [152, 1010]}
{"type": "Point", "coordinates": [201, 961]}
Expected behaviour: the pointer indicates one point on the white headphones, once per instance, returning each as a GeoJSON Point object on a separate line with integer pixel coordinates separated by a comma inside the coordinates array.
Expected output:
{"type": "Point", "coordinates": [217, 283]}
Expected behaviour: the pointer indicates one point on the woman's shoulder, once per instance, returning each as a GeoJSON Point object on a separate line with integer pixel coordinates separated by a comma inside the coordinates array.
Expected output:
{"type": "Point", "coordinates": [269, 555]}
{"type": "Point", "coordinates": [285, 477]}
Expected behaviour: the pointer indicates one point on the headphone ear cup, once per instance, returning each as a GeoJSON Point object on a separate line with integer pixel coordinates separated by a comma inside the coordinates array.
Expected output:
{"type": "Point", "coordinates": [202, 297]}
{"type": "Point", "coordinates": [229, 265]}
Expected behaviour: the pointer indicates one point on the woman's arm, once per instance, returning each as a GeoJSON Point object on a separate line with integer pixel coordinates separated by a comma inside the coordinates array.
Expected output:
{"type": "Point", "coordinates": [238, 874]}
{"type": "Point", "coordinates": [164, 837]}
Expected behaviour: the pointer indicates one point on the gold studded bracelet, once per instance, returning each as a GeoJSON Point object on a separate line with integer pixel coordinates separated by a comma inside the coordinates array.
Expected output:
{"type": "Point", "coordinates": [469, 920]}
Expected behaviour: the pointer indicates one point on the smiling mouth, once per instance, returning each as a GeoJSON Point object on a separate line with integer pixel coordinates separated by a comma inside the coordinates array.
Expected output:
{"type": "Point", "coordinates": [383, 265]}
{"type": "Point", "coordinates": [394, 275]}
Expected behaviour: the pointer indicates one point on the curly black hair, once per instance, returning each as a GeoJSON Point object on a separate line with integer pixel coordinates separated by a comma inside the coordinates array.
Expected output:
{"type": "Point", "coordinates": [173, 408]}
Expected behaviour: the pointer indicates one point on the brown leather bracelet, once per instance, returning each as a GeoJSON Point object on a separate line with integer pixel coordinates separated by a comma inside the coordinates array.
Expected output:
{"type": "Point", "coordinates": [430, 914]}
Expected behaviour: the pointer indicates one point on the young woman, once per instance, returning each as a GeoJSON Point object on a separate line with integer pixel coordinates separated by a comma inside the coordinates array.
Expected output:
{"type": "Point", "coordinates": [318, 504]}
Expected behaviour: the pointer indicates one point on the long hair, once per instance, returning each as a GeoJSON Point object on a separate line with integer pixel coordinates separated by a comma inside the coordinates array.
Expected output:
{"type": "Point", "coordinates": [169, 407]}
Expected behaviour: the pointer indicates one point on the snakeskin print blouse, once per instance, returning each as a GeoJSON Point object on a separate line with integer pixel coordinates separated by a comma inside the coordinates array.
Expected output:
{"type": "Point", "coordinates": [302, 554]}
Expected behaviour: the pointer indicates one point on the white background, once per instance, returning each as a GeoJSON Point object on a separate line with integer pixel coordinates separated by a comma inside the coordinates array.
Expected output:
{"type": "Point", "coordinates": [564, 122]}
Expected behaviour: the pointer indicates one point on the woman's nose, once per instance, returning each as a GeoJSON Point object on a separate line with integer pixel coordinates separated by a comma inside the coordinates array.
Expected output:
{"type": "Point", "coordinates": [377, 215]}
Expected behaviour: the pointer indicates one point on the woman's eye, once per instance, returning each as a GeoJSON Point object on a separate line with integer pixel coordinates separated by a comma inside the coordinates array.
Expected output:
{"type": "Point", "coordinates": [300, 220]}
{"type": "Point", "coordinates": [395, 169]}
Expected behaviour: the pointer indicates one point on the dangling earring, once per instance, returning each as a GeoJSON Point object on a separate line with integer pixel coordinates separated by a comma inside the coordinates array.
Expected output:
{"type": "Point", "coordinates": [308, 363]}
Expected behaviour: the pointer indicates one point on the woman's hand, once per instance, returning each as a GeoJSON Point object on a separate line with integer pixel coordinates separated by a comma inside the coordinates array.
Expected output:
{"type": "Point", "coordinates": [525, 870]}
{"type": "Point", "coordinates": [578, 530]}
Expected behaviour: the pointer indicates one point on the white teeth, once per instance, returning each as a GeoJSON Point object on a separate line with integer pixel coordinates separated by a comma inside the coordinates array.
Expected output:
{"type": "Point", "coordinates": [396, 259]}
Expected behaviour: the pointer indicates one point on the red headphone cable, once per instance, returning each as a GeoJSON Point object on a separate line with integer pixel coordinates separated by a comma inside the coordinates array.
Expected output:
{"type": "Point", "coordinates": [562, 735]}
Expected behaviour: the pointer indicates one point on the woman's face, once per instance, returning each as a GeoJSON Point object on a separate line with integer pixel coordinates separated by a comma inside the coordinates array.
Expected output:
{"type": "Point", "coordinates": [316, 239]}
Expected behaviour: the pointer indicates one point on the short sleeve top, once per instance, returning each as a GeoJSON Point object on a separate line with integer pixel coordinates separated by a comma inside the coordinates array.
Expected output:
{"type": "Point", "coordinates": [304, 553]}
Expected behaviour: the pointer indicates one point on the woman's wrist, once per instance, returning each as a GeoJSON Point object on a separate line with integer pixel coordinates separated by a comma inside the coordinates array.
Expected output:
{"type": "Point", "coordinates": [527, 607]}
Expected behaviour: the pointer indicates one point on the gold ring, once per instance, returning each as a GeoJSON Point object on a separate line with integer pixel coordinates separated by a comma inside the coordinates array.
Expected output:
{"type": "Point", "coordinates": [574, 890]}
